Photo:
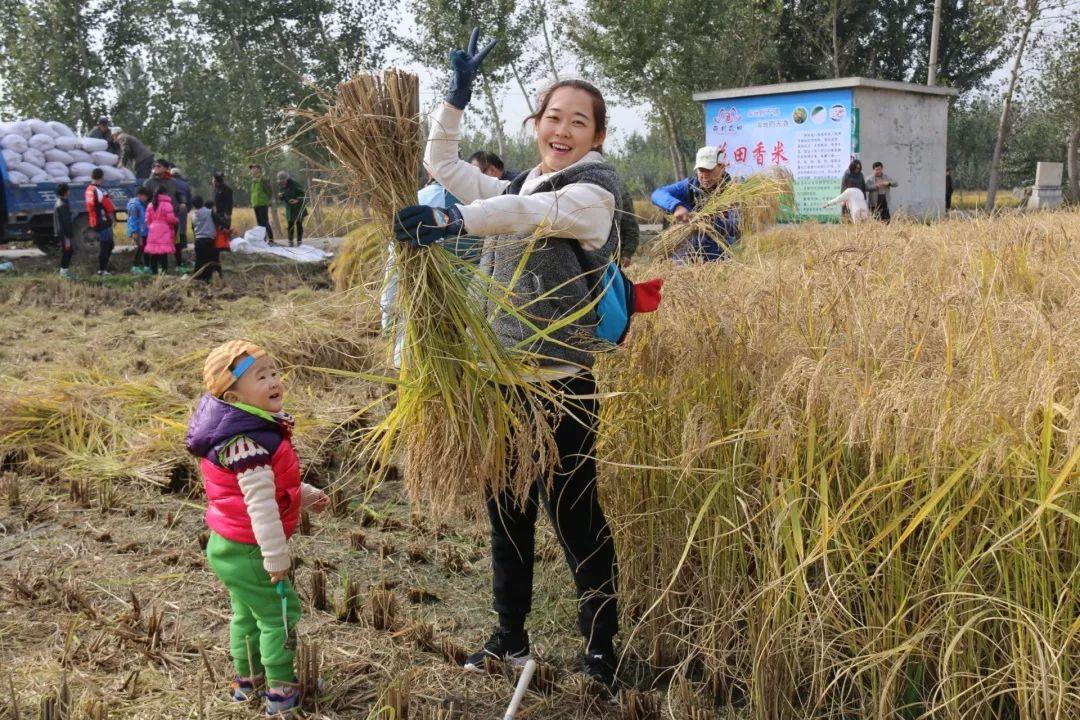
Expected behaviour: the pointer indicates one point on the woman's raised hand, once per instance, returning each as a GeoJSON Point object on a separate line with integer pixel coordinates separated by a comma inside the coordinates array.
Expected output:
{"type": "Point", "coordinates": [464, 64]}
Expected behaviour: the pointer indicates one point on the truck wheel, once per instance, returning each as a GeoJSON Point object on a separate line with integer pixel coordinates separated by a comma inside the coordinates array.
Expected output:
{"type": "Point", "coordinates": [84, 243]}
{"type": "Point", "coordinates": [47, 243]}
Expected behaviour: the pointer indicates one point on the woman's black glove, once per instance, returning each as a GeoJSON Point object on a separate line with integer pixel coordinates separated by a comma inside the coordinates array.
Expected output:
{"type": "Point", "coordinates": [464, 64]}
{"type": "Point", "coordinates": [421, 225]}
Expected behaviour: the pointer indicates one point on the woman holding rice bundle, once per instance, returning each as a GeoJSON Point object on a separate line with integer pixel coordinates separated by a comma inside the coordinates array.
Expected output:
{"type": "Point", "coordinates": [549, 234]}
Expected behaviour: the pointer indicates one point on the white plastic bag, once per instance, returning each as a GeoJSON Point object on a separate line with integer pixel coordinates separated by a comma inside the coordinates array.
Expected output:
{"type": "Point", "coordinates": [80, 156]}
{"type": "Point", "coordinates": [111, 174]}
{"type": "Point", "coordinates": [17, 177]}
{"type": "Point", "coordinates": [107, 159]}
{"type": "Point", "coordinates": [42, 142]}
{"type": "Point", "coordinates": [13, 141]}
{"type": "Point", "coordinates": [92, 145]}
{"type": "Point", "coordinates": [81, 168]}
{"type": "Point", "coordinates": [28, 169]}
{"type": "Point", "coordinates": [56, 168]}
{"type": "Point", "coordinates": [80, 179]}
{"type": "Point", "coordinates": [59, 156]}
{"type": "Point", "coordinates": [34, 157]}
{"type": "Point", "coordinates": [60, 129]}
{"type": "Point", "coordinates": [67, 143]}
{"type": "Point", "coordinates": [128, 176]}
{"type": "Point", "coordinates": [40, 127]}
{"type": "Point", "coordinates": [23, 128]}
{"type": "Point", "coordinates": [11, 157]}
{"type": "Point", "coordinates": [41, 178]}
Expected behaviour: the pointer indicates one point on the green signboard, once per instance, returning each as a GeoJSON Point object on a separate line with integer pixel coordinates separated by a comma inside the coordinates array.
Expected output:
{"type": "Point", "coordinates": [855, 130]}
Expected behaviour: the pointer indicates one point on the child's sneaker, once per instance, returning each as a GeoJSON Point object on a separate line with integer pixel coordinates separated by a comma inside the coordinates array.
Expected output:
{"type": "Point", "coordinates": [244, 689]}
{"type": "Point", "coordinates": [279, 703]}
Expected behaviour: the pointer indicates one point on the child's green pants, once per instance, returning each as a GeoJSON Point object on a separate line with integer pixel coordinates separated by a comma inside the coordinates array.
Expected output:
{"type": "Point", "coordinates": [257, 635]}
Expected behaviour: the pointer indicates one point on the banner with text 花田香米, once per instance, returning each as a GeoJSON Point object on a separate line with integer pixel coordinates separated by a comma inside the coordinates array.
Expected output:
{"type": "Point", "coordinates": [806, 133]}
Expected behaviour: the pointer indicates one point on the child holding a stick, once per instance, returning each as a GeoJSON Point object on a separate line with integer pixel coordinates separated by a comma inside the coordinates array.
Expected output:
{"type": "Point", "coordinates": [558, 221]}
{"type": "Point", "coordinates": [252, 478]}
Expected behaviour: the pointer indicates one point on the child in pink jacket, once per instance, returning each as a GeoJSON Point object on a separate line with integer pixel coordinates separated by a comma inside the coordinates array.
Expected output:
{"type": "Point", "coordinates": [161, 222]}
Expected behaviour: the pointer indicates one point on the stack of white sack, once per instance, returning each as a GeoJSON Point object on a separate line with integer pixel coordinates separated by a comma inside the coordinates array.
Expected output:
{"type": "Point", "coordinates": [38, 151]}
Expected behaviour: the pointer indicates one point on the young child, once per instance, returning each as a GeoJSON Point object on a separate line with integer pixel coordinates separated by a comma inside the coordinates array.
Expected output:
{"type": "Point", "coordinates": [254, 494]}
{"type": "Point", "coordinates": [136, 229]}
{"type": "Point", "coordinates": [63, 228]}
{"type": "Point", "coordinates": [202, 226]}
{"type": "Point", "coordinates": [161, 227]}
{"type": "Point", "coordinates": [102, 215]}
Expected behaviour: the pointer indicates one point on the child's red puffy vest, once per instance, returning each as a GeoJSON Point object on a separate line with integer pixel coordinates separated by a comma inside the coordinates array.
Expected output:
{"type": "Point", "coordinates": [226, 512]}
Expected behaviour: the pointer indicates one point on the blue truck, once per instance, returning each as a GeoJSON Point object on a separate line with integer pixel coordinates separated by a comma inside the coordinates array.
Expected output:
{"type": "Point", "coordinates": [26, 211]}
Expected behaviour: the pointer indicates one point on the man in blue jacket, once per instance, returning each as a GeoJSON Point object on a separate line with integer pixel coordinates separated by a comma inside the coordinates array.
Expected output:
{"type": "Point", "coordinates": [684, 198]}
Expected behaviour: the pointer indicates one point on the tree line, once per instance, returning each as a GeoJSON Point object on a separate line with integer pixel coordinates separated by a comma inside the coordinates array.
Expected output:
{"type": "Point", "coordinates": [209, 83]}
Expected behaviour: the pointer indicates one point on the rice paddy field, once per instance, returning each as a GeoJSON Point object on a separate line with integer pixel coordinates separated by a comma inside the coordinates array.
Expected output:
{"type": "Point", "coordinates": [842, 468]}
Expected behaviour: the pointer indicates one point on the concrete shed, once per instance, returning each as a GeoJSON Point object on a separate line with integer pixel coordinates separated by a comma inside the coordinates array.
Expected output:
{"type": "Point", "coordinates": [813, 129]}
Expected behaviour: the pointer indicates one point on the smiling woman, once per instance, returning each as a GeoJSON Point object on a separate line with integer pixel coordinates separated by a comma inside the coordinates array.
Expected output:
{"type": "Point", "coordinates": [571, 121]}
{"type": "Point", "coordinates": [548, 237]}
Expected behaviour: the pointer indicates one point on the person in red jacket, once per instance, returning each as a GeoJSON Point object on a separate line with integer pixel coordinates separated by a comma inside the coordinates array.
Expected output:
{"type": "Point", "coordinates": [254, 497]}
{"type": "Point", "coordinates": [102, 212]}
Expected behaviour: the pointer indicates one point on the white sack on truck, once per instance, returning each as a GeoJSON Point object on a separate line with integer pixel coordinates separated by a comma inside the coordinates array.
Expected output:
{"type": "Point", "coordinates": [34, 157]}
{"type": "Point", "coordinates": [60, 129]}
{"type": "Point", "coordinates": [92, 145]}
{"type": "Point", "coordinates": [108, 159]}
{"type": "Point", "coordinates": [59, 156]}
{"type": "Point", "coordinates": [42, 142]}
{"type": "Point", "coordinates": [81, 168]}
{"type": "Point", "coordinates": [17, 177]}
{"type": "Point", "coordinates": [11, 157]}
{"type": "Point", "coordinates": [13, 141]}
{"type": "Point", "coordinates": [67, 143]}
{"type": "Point", "coordinates": [80, 156]}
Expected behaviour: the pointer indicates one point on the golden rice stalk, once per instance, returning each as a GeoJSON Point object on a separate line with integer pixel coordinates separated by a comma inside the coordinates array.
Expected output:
{"type": "Point", "coordinates": [464, 419]}
{"type": "Point", "coordinates": [758, 200]}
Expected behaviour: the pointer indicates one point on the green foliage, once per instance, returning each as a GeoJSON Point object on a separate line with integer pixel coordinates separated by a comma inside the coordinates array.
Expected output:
{"type": "Point", "coordinates": [890, 40]}
{"type": "Point", "coordinates": [207, 84]}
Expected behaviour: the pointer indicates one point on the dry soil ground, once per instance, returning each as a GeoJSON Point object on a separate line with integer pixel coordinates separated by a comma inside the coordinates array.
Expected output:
{"type": "Point", "coordinates": [107, 606]}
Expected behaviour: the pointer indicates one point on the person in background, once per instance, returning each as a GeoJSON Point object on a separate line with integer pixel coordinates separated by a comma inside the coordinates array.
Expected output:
{"type": "Point", "coordinates": [161, 231]}
{"type": "Point", "coordinates": [948, 188]}
{"type": "Point", "coordinates": [102, 215]}
{"type": "Point", "coordinates": [853, 204]}
{"type": "Point", "coordinates": [435, 195]}
{"type": "Point", "coordinates": [136, 229]}
{"type": "Point", "coordinates": [261, 193]}
{"type": "Point", "coordinates": [134, 152]}
{"type": "Point", "coordinates": [184, 191]}
{"type": "Point", "coordinates": [491, 165]}
{"type": "Point", "coordinates": [102, 131]}
{"type": "Point", "coordinates": [877, 187]}
{"type": "Point", "coordinates": [684, 198]}
{"type": "Point", "coordinates": [291, 194]}
{"type": "Point", "coordinates": [223, 198]}
{"type": "Point", "coordinates": [63, 228]}
{"type": "Point", "coordinates": [202, 227]}
{"type": "Point", "coordinates": [629, 232]}
{"type": "Point", "coordinates": [160, 177]}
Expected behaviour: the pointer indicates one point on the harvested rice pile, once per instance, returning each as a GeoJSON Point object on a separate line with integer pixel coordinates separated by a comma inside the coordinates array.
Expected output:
{"type": "Point", "coordinates": [844, 469]}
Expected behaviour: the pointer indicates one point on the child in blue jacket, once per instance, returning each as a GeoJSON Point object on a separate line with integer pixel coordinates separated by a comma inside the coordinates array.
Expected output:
{"type": "Point", "coordinates": [137, 230]}
{"type": "Point", "coordinates": [683, 198]}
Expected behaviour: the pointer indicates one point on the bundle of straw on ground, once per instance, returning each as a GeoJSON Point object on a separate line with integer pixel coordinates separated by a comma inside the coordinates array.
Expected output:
{"type": "Point", "coordinates": [758, 200]}
{"type": "Point", "coordinates": [844, 470]}
{"type": "Point", "coordinates": [464, 420]}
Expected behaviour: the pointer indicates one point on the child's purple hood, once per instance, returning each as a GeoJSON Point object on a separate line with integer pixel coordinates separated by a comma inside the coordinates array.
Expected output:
{"type": "Point", "coordinates": [216, 421]}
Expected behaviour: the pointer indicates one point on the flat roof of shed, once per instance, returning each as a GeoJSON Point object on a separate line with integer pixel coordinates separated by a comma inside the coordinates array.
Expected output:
{"type": "Point", "coordinates": [831, 84]}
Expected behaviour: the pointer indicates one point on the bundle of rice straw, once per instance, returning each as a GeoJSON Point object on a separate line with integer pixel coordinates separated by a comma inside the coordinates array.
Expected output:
{"type": "Point", "coordinates": [464, 419]}
{"type": "Point", "coordinates": [759, 200]}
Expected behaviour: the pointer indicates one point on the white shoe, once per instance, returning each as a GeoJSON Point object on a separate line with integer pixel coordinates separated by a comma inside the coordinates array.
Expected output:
{"type": "Point", "coordinates": [65, 273]}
